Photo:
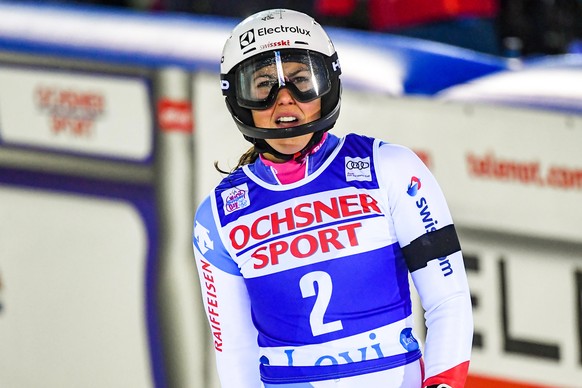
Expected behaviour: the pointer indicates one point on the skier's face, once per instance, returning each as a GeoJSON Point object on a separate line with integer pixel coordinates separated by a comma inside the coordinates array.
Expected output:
{"type": "Point", "coordinates": [288, 112]}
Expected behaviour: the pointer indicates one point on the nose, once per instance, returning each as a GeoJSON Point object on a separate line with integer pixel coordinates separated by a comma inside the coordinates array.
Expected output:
{"type": "Point", "coordinates": [285, 97]}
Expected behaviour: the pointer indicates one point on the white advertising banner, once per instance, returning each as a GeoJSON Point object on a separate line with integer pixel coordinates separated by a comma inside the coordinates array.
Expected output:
{"type": "Point", "coordinates": [96, 115]}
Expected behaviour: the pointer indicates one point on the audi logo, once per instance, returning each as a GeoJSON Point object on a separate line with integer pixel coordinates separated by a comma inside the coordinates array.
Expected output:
{"type": "Point", "coordinates": [357, 165]}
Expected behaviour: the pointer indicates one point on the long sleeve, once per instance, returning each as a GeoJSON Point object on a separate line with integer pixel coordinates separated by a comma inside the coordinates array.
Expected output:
{"type": "Point", "coordinates": [426, 233]}
{"type": "Point", "coordinates": [447, 306]}
{"type": "Point", "coordinates": [227, 305]}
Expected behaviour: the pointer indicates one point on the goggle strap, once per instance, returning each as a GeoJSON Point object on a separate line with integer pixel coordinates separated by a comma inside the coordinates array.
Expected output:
{"type": "Point", "coordinates": [227, 84]}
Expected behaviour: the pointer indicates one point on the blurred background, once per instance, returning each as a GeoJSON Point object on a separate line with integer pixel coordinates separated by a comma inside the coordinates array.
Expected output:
{"type": "Point", "coordinates": [111, 118]}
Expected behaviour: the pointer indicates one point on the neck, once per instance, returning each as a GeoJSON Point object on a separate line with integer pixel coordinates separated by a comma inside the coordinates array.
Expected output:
{"type": "Point", "coordinates": [290, 171]}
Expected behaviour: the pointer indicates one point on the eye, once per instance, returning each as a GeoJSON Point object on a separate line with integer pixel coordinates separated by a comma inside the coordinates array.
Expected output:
{"type": "Point", "coordinates": [303, 81]}
{"type": "Point", "coordinates": [262, 86]}
{"type": "Point", "coordinates": [265, 83]}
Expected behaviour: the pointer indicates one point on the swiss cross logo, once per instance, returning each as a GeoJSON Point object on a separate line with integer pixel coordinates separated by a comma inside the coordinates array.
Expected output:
{"type": "Point", "coordinates": [175, 115]}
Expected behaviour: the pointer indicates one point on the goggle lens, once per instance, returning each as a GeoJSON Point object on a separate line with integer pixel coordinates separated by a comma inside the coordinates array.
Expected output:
{"type": "Point", "coordinates": [259, 79]}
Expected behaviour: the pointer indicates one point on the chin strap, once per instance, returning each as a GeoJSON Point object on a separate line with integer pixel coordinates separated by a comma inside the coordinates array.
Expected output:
{"type": "Point", "coordinates": [261, 146]}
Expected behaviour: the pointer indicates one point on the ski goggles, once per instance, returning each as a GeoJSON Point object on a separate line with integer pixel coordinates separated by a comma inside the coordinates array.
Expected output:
{"type": "Point", "coordinates": [304, 73]}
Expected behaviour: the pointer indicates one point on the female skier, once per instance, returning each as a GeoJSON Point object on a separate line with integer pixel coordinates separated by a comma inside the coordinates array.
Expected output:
{"type": "Point", "coordinates": [304, 249]}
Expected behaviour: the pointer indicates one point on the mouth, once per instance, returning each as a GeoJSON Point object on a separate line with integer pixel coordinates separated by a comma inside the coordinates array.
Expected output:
{"type": "Point", "coordinates": [286, 120]}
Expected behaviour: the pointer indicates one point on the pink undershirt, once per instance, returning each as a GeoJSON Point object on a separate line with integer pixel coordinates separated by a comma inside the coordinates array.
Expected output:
{"type": "Point", "coordinates": [291, 171]}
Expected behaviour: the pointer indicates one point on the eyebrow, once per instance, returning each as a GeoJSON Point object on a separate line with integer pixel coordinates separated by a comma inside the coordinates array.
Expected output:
{"type": "Point", "coordinates": [299, 70]}
{"type": "Point", "coordinates": [267, 74]}
{"type": "Point", "coordinates": [262, 73]}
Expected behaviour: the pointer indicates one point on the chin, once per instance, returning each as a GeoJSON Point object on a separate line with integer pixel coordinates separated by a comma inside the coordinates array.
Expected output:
{"type": "Point", "coordinates": [289, 146]}
{"type": "Point", "coordinates": [290, 151]}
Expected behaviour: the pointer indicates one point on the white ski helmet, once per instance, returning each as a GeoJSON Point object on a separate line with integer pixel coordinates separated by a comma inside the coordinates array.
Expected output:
{"type": "Point", "coordinates": [271, 38]}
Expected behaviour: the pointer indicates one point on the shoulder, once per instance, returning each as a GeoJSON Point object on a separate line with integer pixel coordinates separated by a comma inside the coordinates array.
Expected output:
{"type": "Point", "coordinates": [231, 186]}
{"type": "Point", "coordinates": [234, 179]}
{"type": "Point", "coordinates": [398, 166]}
{"type": "Point", "coordinates": [358, 138]}
{"type": "Point", "coordinates": [385, 154]}
{"type": "Point", "coordinates": [399, 159]}
{"type": "Point", "coordinates": [356, 144]}
{"type": "Point", "coordinates": [396, 153]}
{"type": "Point", "coordinates": [386, 149]}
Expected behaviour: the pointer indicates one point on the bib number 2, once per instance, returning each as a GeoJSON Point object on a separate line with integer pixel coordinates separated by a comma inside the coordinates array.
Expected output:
{"type": "Point", "coordinates": [323, 292]}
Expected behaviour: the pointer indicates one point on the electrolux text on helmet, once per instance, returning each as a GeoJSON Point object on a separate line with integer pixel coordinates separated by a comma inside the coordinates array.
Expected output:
{"type": "Point", "coordinates": [277, 30]}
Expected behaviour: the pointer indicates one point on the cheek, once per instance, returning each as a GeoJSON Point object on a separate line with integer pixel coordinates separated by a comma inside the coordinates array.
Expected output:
{"type": "Point", "coordinates": [261, 118]}
{"type": "Point", "coordinates": [313, 111]}
{"type": "Point", "coordinates": [316, 114]}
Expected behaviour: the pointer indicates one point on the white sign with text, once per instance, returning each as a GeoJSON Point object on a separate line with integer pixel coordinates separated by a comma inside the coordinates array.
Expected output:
{"type": "Point", "coordinates": [95, 115]}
